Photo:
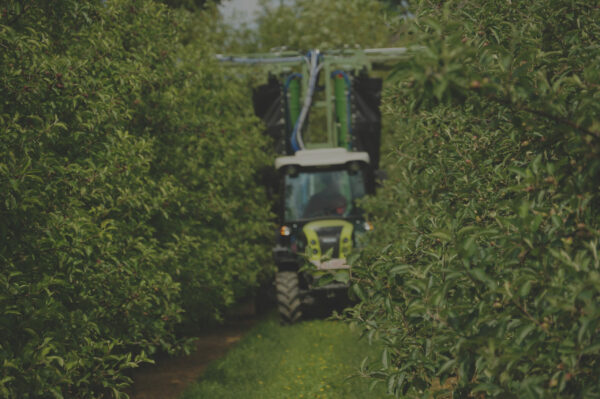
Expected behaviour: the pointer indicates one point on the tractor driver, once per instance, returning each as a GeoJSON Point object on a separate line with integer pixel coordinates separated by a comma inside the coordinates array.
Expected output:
{"type": "Point", "coordinates": [327, 202]}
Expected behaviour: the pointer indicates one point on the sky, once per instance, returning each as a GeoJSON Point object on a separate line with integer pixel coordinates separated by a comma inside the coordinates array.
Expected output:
{"type": "Point", "coordinates": [239, 10]}
{"type": "Point", "coordinates": [243, 10]}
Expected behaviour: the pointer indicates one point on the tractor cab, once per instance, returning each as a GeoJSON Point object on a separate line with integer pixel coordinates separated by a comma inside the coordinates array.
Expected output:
{"type": "Point", "coordinates": [319, 208]}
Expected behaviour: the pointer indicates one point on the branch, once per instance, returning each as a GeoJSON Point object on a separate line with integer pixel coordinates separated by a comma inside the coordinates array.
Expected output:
{"type": "Point", "coordinates": [537, 112]}
{"type": "Point", "coordinates": [19, 15]}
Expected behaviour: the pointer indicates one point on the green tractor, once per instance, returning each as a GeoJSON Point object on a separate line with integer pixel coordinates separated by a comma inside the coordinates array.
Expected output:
{"type": "Point", "coordinates": [322, 112]}
{"type": "Point", "coordinates": [320, 224]}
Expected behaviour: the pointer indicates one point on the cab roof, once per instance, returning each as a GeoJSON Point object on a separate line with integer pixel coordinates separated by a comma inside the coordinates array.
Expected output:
{"type": "Point", "coordinates": [321, 157]}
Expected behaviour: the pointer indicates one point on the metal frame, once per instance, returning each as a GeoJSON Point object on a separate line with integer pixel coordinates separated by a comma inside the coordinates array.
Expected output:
{"type": "Point", "coordinates": [349, 60]}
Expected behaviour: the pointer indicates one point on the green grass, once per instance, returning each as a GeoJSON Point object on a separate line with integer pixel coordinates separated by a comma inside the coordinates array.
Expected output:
{"type": "Point", "coordinates": [312, 359]}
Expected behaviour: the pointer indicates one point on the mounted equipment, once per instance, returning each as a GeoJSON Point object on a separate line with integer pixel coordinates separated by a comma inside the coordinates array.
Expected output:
{"type": "Point", "coordinates": [322, 112]}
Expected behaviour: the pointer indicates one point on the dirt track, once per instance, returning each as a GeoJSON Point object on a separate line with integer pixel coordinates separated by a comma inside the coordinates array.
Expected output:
{"type": "Point", "coordinates": [168, 378]}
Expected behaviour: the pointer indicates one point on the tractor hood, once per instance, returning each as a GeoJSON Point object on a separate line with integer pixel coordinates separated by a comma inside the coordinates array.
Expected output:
{"type": "Point", "coordinates": [331, 238]}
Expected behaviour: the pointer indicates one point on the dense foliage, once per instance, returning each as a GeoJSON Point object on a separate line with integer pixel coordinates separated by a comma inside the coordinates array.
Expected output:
{"type": "Point", "coordinates": [127, 187]}
{"type": "Point", "coordinates": [191, 5]}
{"type": "Point", "coordinates": [484, 276]}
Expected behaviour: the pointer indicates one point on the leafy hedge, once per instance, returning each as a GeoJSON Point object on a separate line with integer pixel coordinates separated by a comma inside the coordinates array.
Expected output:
{"type": "Point", "coordinates": [483, 275]}
{"type": "Point", "coordinates": [128, 200]}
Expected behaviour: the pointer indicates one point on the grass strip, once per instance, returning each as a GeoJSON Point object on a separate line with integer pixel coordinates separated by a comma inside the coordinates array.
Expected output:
{"type": "Point", "coordinates": [311, 359]}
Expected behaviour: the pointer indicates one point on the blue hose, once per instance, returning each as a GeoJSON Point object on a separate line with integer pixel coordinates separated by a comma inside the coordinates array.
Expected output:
{"type": "Point", "coordinates": [312, 81]}
{"type": "Point", "coordinates": [288, 80]}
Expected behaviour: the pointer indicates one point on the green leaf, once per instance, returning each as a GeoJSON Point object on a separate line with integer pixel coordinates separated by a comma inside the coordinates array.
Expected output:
{"type": "Point", "coordinates": [443, 235]}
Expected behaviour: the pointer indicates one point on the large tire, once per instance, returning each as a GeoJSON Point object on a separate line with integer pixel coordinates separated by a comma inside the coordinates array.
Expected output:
{"type": "Point", "coordinates": [288, 297]}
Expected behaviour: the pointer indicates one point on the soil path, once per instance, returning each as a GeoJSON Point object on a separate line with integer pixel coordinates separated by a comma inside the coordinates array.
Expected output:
{"type": "Point", "coordinates": [168, 378]}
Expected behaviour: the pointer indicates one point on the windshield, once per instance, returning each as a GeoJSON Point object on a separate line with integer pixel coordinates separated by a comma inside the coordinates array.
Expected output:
{"type": "Point", "coordinates": [323, 193]}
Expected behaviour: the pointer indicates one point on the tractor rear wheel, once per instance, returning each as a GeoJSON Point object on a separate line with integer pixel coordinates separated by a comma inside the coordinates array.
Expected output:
{"type": "Point", "coordinates": [288, 297]}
